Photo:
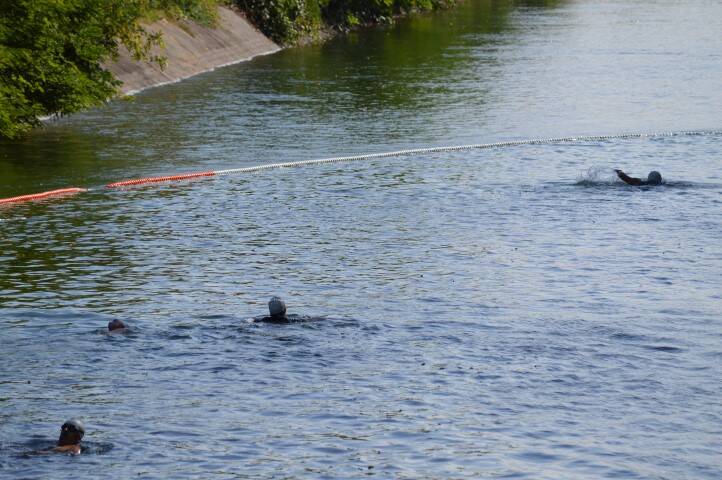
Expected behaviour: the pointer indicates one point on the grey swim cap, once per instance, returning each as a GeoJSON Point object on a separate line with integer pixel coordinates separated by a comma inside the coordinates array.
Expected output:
{"type": "Point", "coordinates": [654, 178]}
{"type": "Point", "coordinates": [74, 425]}
{"type": "Point", "coordinates": [276, 306]}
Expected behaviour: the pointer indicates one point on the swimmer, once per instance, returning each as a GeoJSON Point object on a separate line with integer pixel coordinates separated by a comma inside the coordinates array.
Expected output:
{"type": "Point", "coordinates": [654, 178]}
{"type": "Point", "coordinates": [116, 326]}
{"type": "Point", "coordinates": [277, 310]}
{"type": "Point", "coordinates": [71, 433]}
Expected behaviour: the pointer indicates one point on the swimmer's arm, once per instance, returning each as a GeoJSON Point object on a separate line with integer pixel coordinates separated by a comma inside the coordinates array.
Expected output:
{"type": "Point", "coordinates": [627, 179]}
{"type": "Point", "coordinates": [71, 449]}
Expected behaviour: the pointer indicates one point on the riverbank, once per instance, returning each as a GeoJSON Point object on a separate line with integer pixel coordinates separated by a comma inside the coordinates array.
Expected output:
{"type": "Point", "coordinates": [189, 49]}
{"type": "Point", "coordinates": [243, 32]}
{"type": "Point", "coordinates": [59, 59]}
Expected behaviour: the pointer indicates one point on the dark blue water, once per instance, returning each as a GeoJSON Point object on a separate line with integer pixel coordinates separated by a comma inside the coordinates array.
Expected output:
{"type": "Point", "coordinates": [507, 313]}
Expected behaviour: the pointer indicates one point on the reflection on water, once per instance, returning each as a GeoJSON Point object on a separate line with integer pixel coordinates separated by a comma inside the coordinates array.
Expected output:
{"type": "Point", "coordinates": [509, 312]}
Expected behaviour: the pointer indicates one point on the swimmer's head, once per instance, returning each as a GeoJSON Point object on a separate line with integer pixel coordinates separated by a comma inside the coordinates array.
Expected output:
{"type": "Point", "coordinates": [116, 325]}
{"type": "Point", "coordinates": [276, 307]}
{"type": "Point", "coordinates": [71, 433]}
{"type": "Point", "coordinates": [654, 178]}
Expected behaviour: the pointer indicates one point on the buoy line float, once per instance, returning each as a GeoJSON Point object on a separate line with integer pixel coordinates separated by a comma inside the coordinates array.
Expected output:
{"type": "Point", "coordinates": [172, 178]}
{"type": "Point", "coordinates": [42, 195]}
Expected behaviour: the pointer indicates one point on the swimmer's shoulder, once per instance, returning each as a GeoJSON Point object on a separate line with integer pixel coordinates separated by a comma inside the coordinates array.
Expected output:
{"type": "Point", "coordinates": [292, 318]}
{"type": "Point", "coordinates": [267, 319]}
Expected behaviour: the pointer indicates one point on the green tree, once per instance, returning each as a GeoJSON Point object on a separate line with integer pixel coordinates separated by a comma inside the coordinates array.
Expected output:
{"type": "Point", "coordinates": [51, 52]}
{"type": "Point", "coordinates": [285, 20]}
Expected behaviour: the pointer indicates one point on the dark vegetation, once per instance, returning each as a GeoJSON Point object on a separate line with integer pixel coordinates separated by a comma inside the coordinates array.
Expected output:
{"type": "Point", "coordinates": [285, 21]}
{"type": "Point", "coordinates": [51, 51]}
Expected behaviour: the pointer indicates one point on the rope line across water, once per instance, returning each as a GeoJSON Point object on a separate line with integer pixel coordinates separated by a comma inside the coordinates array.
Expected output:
{"type": "Point", "coordinates": [457, 148]}
{"type": "Point", "coordinates": [369, 156]}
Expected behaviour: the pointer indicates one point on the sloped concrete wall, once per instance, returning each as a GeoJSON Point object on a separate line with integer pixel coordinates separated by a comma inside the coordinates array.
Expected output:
{"type": "Point", "coordinates": [191, 49]}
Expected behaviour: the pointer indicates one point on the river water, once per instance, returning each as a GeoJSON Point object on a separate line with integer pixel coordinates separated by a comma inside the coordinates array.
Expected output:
{"type": "Point", "coordinates": [502, 313]}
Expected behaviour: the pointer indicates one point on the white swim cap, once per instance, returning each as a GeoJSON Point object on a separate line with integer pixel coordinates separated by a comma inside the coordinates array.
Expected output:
{"type": "Point", "coordinates": [654, 178]}
{"type": "Point", "coordinates": [276, 306]}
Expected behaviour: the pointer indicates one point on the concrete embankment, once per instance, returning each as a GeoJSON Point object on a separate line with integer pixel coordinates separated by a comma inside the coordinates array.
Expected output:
{"type": "Point", "coordinates": [191, 49]}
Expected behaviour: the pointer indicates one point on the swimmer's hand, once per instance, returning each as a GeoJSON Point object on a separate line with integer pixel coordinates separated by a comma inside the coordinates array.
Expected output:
{"type": "Point", "coordinates": [617, 170]}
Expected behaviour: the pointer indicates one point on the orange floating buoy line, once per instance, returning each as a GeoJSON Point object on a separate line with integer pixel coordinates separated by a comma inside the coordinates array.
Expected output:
{"type": "Point", "coordinates": [42, 195]}
{"type": "Point", "coordinates": [370, 156]}
{"type": "Point", "coordinates": [171, 178]}
{"type": "Point", "coordinates": [123, 183]}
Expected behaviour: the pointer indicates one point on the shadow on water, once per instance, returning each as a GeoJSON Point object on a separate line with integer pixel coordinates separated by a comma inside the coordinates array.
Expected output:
{"type": "Point", "coordinates": [67, 246]}
{"type": "Point", "coordinates": [125, 333]}
{"type": "Point", "coordinates": [289, 320]}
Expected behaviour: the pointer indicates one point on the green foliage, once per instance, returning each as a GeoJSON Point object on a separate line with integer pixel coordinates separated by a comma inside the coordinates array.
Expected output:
{"type": "Point", "coordinates": [347, 13]}
{"type": "Point", "coordinates": [201, 11]}
{"type": "Point", "coordinates": [285, 20]}
{"type": "Point", "coordinates": [51, 52]}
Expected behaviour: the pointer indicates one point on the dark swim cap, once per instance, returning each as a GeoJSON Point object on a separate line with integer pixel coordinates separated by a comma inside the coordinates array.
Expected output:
{"type": "Point", "coordinates": [73, 425]}
{"type": "Point", "coordinates": [654, 178]}
{"type": "Point", "coordinates": [115, 325]}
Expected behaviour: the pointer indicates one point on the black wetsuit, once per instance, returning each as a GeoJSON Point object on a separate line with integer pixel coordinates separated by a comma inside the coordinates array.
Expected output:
{"type": "Point", "coordinates": [292, 318]}
{"type": "Point", "coordinates": [630, 180]}
{"type": "Point", "coordinates": [276, 319]}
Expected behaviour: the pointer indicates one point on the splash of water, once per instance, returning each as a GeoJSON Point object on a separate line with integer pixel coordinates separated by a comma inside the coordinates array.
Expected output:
{"type": "Point", "coordinates": [597, 175]}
